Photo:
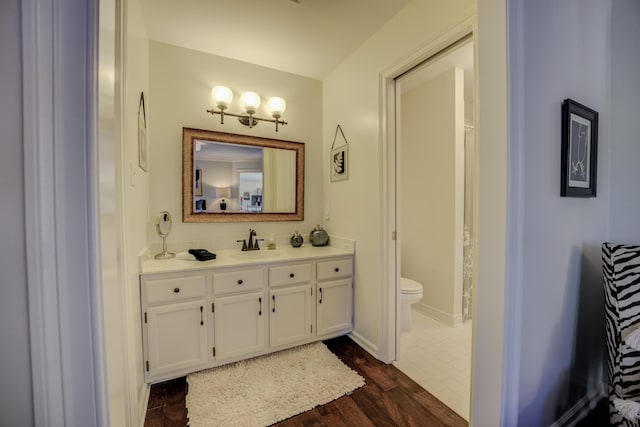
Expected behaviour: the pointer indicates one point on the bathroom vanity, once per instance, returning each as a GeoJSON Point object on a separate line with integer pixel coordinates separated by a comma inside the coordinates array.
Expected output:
{"type": "Point", "coordinates": [197, 315]}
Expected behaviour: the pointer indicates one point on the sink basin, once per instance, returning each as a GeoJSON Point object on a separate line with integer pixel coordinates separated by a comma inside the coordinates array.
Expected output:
{"type": "Point", "coordinates": [251, 255]}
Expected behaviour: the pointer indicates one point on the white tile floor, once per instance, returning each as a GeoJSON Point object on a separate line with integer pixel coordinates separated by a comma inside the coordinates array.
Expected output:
{"type": "Point", "coordinates": [438, 357]}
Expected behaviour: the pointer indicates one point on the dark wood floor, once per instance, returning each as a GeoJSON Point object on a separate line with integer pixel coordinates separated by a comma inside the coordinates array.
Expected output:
{"type": "Point", "coordinates": [389, 398]}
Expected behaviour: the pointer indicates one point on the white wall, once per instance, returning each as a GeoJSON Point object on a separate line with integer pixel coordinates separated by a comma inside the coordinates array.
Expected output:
{"type": "Point", "coordinates": [562, 327]}
{"type": "Point", "coordinates": [352, 99]}
{"type": "Point", "coordinates": [216, 174]}
{"type": "Point", "coordinates": [180, 93]}
{"type": "Point", "coordinates": [112, 283]}
{"type": "Point", "coordinates": [432, 177]}
{"type": "Point", "coordinates": [124, 199]}
{"type": "Point", "coordinates": [16, 399]}
{"type": "Point", "coordinates": [625, 139]}
{"type": "Point", "coordinates": [491, 368]}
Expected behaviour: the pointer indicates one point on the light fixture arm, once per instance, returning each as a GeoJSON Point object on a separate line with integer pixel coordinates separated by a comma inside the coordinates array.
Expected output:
{"type": "Point", "coordinates": [247, 119]}
{"type": "Point", "coordinates": [222, 115]}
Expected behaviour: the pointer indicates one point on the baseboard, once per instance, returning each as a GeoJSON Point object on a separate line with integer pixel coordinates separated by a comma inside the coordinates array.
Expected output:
{"type": "Point", "coordinates": [439, 315]}
{"type": "Point", "coordinates": [582, 408]}
{"type": "Point", "coordinates": [143, 402]}
{"type": "Point", "coordinates": [367, 345]}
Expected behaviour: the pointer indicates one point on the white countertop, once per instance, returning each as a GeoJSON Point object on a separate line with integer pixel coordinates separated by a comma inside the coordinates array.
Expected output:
{"type": "Point", "coordinates": [235, 257]}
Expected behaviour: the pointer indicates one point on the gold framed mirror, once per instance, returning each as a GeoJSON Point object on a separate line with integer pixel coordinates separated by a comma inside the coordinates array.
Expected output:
{"type": "Point", "coordinates": [228, 177]}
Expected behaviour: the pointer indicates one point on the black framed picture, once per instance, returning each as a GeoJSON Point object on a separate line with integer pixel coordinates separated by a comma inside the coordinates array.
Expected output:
{"type": "Point", "coordinates": [579, 150]}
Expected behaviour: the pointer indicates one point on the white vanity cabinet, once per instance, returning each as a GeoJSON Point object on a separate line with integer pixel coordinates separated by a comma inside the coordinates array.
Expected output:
{"type": "Point", "coordinates": [175, 326]}
{"type": "Point", "coordinates": [201, 315]}
{"type": "Point", "coordinates": [334, 297]}
{"type": "Point", "coordinates": [291, 311]}
{"type": "Point", "coordinates": [239, 310]}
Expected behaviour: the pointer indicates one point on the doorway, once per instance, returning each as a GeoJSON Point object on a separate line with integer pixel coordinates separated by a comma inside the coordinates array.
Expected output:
{"type": "Point", "coordinates": [250, 186]}
{"type": "Point", "coordinates": [432, 199]}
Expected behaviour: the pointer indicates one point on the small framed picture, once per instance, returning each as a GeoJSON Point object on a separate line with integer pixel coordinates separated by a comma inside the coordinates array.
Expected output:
{"type": "Point", "coordinates": [340, 163]}
{"type": "Point", "coordinates": [579, 150]}
{"type": "Point", "coordinates": [142, 134]}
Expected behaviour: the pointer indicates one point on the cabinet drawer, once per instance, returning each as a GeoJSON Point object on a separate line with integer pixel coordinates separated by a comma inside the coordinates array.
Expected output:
{"type": "Point", "coordinates": [335, 269]}
{"type": "Point", "coordinates": [174, 289]}
{"type": "Point", "coordinates": [289, 274]}
{"type": "Point", "coordinates": [237, 281]}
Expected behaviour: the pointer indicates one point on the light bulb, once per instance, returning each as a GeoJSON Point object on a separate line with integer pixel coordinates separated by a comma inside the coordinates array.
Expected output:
{"type": "Point", "coordinates": [250, 102]}
{"type": "Point", "coordinates": [222, 96]}
{"type": "Point", "coordinates": [276, 106]}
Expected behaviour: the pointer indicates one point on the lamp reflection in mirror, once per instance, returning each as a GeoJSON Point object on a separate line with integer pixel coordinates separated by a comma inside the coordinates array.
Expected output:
{"type": "Point", "coordinates": [222, 193]}
{"type": "Point", "coordinates": [250, 101]}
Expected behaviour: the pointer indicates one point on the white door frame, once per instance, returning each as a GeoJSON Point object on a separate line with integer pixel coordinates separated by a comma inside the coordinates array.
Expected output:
{"type": "Point", "coordinates": [498, 207]}
{"type": "Point", "coordinates": [391, 127]}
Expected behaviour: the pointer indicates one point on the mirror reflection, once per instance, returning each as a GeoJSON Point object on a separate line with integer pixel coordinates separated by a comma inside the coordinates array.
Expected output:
{"type": "Point", "coordinates": [229, 177]}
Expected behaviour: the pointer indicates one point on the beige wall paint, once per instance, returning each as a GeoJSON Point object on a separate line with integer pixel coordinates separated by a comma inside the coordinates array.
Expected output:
{"type": "Point", "coordinates": [352, 99]}
{"type": "Point", "coordinates": [180, 93]}
{"type": "Point", "coordinates": [431, 192]}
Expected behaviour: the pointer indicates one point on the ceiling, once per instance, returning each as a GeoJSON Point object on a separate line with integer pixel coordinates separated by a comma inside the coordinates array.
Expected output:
{"type": "Point", "coordinates": [305, 37]}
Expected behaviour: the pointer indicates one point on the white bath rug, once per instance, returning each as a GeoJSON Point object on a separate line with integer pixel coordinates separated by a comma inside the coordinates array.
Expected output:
{"type": "Point", "coordinates": [262, 391]}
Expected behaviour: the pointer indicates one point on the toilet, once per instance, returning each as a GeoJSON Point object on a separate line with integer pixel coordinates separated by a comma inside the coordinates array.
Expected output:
{"type": "Point", "coordinates": [410, 293]}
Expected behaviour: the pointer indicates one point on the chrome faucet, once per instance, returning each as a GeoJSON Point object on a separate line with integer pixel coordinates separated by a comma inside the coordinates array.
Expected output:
{"type": "Point", "coordinates": [253, 244]}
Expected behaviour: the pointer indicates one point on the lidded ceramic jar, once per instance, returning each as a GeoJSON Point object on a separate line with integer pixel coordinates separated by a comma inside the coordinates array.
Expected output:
{"type": "Point", "coordinates": [319, 237]}
{"type": "Point", "coordinates": [296, 240]}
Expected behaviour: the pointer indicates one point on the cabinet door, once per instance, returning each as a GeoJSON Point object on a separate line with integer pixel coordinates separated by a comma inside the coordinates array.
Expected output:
{"type": "Point", "coordinates": [239, 325]}
{"type": "Point", "coordinates": [177, 339]}
{"type": "Point", "coordinates": [334, 307]}
{"type": "Point", "coordinates": [290, 315]}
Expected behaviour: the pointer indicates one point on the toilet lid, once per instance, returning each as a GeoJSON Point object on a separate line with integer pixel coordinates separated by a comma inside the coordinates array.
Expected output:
{"type": "Point", "coordinates": [408, 286]}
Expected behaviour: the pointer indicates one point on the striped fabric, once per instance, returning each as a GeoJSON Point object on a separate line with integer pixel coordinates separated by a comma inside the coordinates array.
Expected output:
{"type": "Point", "coordinates": [621, 268]}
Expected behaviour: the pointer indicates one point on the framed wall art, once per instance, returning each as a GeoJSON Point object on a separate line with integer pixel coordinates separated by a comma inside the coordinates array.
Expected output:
{"type": "Point", "coordinates": [339, 158]}
{"type": "Point", "coordinates": [142, 134]}
{"type": "Point", "coordinates": [579, 150]}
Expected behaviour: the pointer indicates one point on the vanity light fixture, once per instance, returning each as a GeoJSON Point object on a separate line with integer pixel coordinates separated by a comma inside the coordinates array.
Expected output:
{"type": "Point", "coordinates": [250, 101]}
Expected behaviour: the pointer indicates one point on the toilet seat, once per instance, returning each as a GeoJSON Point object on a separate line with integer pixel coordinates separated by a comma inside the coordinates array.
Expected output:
{"type": "Point", "coordinates": [409, 286]}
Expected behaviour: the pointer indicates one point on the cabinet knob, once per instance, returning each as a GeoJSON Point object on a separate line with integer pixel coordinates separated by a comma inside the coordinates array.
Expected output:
{"type": "Point", "coordinates": [176, 290]}
{"type": "Point", "coordinates": [240, 282]}
{"type": "Point", "coordinates": [336, 269]}
{"type": "Point", "coordinates": [292, 275]}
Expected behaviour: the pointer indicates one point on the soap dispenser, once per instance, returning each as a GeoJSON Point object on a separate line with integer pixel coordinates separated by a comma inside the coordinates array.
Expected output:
{"type": "Point", "coordinates": [271, 242]}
